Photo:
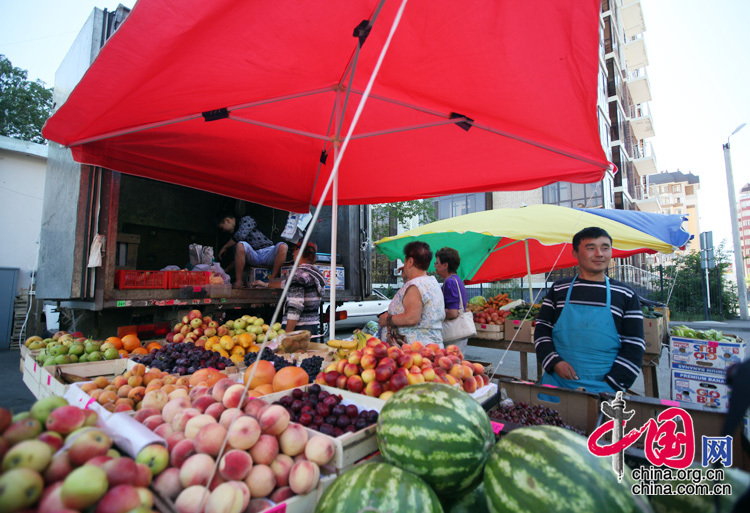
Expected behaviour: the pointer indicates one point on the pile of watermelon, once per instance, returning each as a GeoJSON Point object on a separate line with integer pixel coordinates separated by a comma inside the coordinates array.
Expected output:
{"type": "Point", "coordinates": [439, 452]}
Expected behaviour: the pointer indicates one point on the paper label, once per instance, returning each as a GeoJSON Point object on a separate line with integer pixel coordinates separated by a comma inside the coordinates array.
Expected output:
{"type": "Point", "coordinates": [667, 402]}
{"type": "Point", "coordinates": [497, 427]}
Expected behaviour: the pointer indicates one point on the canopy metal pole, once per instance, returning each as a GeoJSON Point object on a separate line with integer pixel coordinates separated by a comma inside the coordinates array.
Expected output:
{"type": "Point", "coordinates": [334, 237]}
{"type": "Point", "coordinates": [528, 269]}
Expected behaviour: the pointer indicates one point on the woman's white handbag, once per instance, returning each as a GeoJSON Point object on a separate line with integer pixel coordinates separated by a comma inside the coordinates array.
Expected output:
{"type": "Point", "coordinates": [462, 326]}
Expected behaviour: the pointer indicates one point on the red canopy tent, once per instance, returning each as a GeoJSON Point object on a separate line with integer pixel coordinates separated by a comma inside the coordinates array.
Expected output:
{"type": "Point", "coordinates": [244, 98]}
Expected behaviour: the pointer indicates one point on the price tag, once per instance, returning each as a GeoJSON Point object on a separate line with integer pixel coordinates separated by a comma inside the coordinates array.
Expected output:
{"type": "Point", "coordinates": [196, 301]}
{"type": "Point", "coordinates": [497, 427]}
{"type": "Point", "coordinates": [667, 402]}
{"type": "Point", "coordinates": [121, 303]}
{"type": "Point", "coordinates": [207, 301]}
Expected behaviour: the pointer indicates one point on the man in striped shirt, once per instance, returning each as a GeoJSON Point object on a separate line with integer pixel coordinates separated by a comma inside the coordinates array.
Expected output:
{"type": "Point", "coordinates": [590, 335]}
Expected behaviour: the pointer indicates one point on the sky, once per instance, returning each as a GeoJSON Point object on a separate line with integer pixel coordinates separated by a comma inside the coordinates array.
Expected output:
{"type": "Point", "coordinates": [698, 72]}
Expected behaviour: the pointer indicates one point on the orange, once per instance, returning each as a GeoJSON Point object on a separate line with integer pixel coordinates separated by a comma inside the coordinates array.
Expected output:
{"type": "Point", "coordinates": [123, 353]}
{"type": "Point", "coordinates": [115, 341]}
{"type": "Point", "coordinates": [139, 350]}
{"type": "Point", "coordinates": [245, 340]}
{"type": "Point", "coordinates": [238, 350]}
{"type": "Point", "coordinates": [130, 342]}
{"type": "Point", "coordinates": [263, 376]}
{"type": "Point", "coordinates": [290, 377]}
{"type": "Point", "coordinates": [226, 342]}
{"type": "Point", "coordinates": [153, 346]}
{"type": "Point", "coordinates": [265, 389]}
{"type": "Point", "coordinates": [237, 358]}
{"type": "Point", "coordinates": [253, 349]}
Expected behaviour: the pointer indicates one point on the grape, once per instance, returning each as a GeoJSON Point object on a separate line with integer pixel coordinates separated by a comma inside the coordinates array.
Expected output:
{"type": "Point", "coordinates": [525, 415]}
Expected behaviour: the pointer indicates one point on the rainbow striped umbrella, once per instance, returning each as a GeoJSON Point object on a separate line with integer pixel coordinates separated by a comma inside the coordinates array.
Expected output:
{"type": "Point", "coordinates": [509, 243]}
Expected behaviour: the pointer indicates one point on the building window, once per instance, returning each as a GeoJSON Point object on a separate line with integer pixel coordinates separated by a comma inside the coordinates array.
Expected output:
{"type": "Point", "coordinates": [459, 204]}
{"type": "Point", "coordinates": [676, 188]}
{"type": "Point", "coordinates": [574, 195]}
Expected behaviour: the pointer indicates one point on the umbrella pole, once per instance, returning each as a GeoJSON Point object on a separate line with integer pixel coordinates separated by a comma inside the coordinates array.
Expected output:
{"type": "Point", "coordinates": [528, 269]}
{"type": "Point", "coordinates": [334, 236]}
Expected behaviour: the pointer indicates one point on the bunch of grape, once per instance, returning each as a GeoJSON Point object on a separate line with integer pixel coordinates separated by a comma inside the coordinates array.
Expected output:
{"type": "Point", "coordinates": [268, 355]}
{"type": "Point", "coordinates": [522, 413]}
{"type": "Point", "coordinates": [312, 366]}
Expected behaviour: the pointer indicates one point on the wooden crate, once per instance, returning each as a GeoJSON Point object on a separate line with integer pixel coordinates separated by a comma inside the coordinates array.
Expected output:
{"type": "Point", "coordinates": [349, 447]}
{"type": "Point", "coordinates": [52, 383]}
{"type": "Point", "coordinates": [490, 331]}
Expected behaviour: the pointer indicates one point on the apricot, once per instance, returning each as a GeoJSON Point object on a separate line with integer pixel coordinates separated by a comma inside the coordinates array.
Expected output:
{"type": "Point", "coordinates": [101, 382]}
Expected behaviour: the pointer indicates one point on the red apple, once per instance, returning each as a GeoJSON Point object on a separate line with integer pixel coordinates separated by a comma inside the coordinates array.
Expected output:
{"type": "Point", "coordinates": [383, 373]}
{"type": "Point", "coordinates": [355, 384]}
{"type": "Point", "coordinates": [394, 352]}
{"type": "Point", "coordinates": [368, 361]}
{"type": "Point", "coordinates": [341, 381]}
{"type": "Point", "coordinates": [380, 351]}
{"type": "Point", "coordinates": [195, 314]}
{"type": "Point", "coordinates": [398, 381]}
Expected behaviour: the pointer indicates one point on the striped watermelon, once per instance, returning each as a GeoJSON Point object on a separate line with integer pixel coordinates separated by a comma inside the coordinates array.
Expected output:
{"type": "Point", "coordinates": [378, 487]}
{"type": "Point", "coordinates": [473, 502]}
{"type": "Point", "coordinates": [739, 480]}
{"type": "Point", "coordinates": [437, 432]}
{"type": "Point", "coordinates": [548, 468]}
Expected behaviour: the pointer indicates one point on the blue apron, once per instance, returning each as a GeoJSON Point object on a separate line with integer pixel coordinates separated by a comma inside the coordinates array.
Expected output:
{"type": "Point", "coordinates": [585, 336]}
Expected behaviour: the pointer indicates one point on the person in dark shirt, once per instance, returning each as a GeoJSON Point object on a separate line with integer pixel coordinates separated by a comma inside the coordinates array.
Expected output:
{"type": "Point", "coordinates": [252, 247]}
{"type": "Point", "coordinates": [589, 332]}
{"type": "Point", "coordinates": [305, 293]}
{"type": "Point", "coordinates": [455, 297]}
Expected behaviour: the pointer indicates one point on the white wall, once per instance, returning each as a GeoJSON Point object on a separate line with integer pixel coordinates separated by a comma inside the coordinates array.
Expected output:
{"type": "Point", "coordinates": [23, 167]}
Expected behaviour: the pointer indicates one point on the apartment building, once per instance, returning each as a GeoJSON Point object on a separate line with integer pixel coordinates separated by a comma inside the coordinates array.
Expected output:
{"type": "Point", "coordinates": [677, 193]}
{"type": "Point", "coordinates": [743, 215]}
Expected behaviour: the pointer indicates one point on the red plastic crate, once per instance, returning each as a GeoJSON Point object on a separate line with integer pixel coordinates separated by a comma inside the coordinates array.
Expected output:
{"type": "Point", "coordinates": [126, 279]}
{"type": "Point", "coordinates": [178, 279]}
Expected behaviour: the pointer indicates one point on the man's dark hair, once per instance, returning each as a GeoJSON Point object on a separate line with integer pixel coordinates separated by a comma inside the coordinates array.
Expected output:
{"type": "Point", "coordinates": [420, 252]}
{"type": "Point", "coordinates": [223, 215]}
{"type": "Point", "coordinates": [449, 256]}
{"type": "Point", "coordinates": [592, 232]}
{"type": "Point", "coordinates": [311, 250]}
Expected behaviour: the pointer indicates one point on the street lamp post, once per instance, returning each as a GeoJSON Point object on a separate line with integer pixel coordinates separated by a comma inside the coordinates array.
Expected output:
{"type": "Point", "coordinates": [739, 265]}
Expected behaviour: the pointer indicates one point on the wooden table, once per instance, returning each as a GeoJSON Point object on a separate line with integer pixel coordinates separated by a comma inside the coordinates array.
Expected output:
{"type": "Point", "coordinates": [650, 380]}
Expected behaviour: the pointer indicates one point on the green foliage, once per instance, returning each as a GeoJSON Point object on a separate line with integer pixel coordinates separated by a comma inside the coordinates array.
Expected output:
{"type": "Point", "coordinates": [24, 105]}
{"type": "Point", "coordinates": [686, 301]}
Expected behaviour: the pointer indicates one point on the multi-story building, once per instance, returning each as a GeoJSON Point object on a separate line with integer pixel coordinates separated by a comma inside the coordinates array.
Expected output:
{"type": "Point", "coordinates": [677, 193]}
{"type": "Point", "coordinates": [743, 216]}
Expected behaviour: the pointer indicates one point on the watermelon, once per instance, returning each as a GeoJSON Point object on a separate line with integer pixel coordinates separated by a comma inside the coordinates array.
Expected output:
{"type": "Point", "coordinates": [378, 487]}
{"type": "Point", "coordinates": [437, 432]}
{"type": "Point", "coordinates": [548, 468]}
{"type": "Point", "coordinates": [739, 480]}
{"type": "Point", "coordinates": [473, 502]}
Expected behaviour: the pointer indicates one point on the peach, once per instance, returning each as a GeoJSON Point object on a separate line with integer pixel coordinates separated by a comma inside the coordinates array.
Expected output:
{"type": "Point", "coordinates": [351, 369]}
{"type": "Point", "coordinates": [235, 465]}
{"type": "Point", "coordinates": [445, 362]}
{"type": "Point", "coordinates": [255, 406]}
{"type": "Point", "coordinates": [155, 399]}
{"type": "Point", "coordinates": [181, 451]}
{"type": "Point", "coordinates": [299, 457]}
{"type": "Point", "coordinates": [468, 368]}
{"type": "Point", "coordinates": [281, 494]}
{"type": "Point", "coordinates": [293, 439]}
{"type": "Point", "coordinates": [304, 476]}
{"type": "Point", "coordinates": [96, 394]}
{"type": "Point", "coordinates": [386, 395]}
{"type": "Point", "coordinates": [189, 500]}
{"type": "Point", "coordinates": [429, 374]}
{"type": "Point", "coordinates": [232, 396]}
{"type": "Point", "coordinates": [88, 387]}
{"type": "Point", "coordinates": [394, 352]}
{"type": "Point", "coordinates": [63, 420]}
{"type": "Point", "coordinates": [405, 360]}
{"type": "Point", "coordinates": [197, 391]}
{"type": "Point", "coordinates": [383, 373]}
{"type": "Point", "coordinates": [374, 389]}
{"type": "Point", "coordinates": [175, 393]}
{"type": "Point", "coordinates": [478, 369]}
{"type": "Point", "coordinates": [153, 422]}
{"type": "Point", "coordinates": [215, 410]}
{"type": "Point", "coordinates": [368, 375]}
{"type": "Point", "coordinates": [341, 381]}
{"type": "Point", "coordinates": [173, 407]}
{"type": "Point", "coordinates": [331, 377]}
{"type": "Point", "coordinates": [210, 438]}
{"type": "Point", "coordinates": [135, 381]}
{"type": "Point", "coordinates": [258, 505]}
{"type": "Point", "coordinates": [319, 450]}
{"type": "Point", "coordinates": [124, 390]}
{"type": "Point", "coordinates": [265, 450]}
{"type": "Point", "coordinates": [242, 487]}
{"type": "Point", "coordinates": [416, 359]}
{"type": "Point", "coordinates": [355, 384]}
{"type": "Point", "coordinates": [101, 382]}
{"type": "Point", "coordinates": [380, 351]}
{"type": "Point", "coordinates": [470, 384]}
{"type": "Point", "coordinates": [181, 418]}
{"type": "Point", "coordinates": [457, 371]}
{"type": "Point", "coordinates": [244, 433]}
{"type": "Point", "coordinates": [196, 469]}
{"type": "Point", "coordinates": [225, 498]}
{"type": "Point", "coordinates": [138, 369]}
{"type": "Point", "coordinates": [281, 467]}
{"type": "Point", "coordinates": [275, 419]}
{"type": "Point", "coordinates": [450, 379]}
{"type": "Point", "coordinates": [137, 394]}
{"type": "Point", "coordinates": [167, 484]}
{"type": "Point", "coordinates": [355, 357]}
{"type": "Point", "coordinates": [173, 438]}
{"type": "Point", "coordinates": [228, 415]}
{"type": "Point", "coordinates": [203, 402]}
{"type": "Point", "coordinates": [368, 361]}
{"type": "Point", "coordinates": [111, 388]}
{"type": "Point", "coordinates": [221, 386]}
{"type": "Point", "coordinates": [144, 476]}
{"type": "Point", "coordinates": [164, 430]}
{"type": "Point", "coordinates": [196, 424]}
{"type": "Point", "coordinates": [398, 381]}
{"type": "Point", "coordinates": [261, 481]}
{"type": "Point", "coordinates": [216, 481]}
{"type": "Point", "coordinates": [341, 365]}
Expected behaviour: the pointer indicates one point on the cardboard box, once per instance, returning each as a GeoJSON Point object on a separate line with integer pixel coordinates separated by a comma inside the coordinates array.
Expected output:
{"type": "Point", "coordinates": [349, 447]}
{"type": "Point", "coordinates": [53, 381]}
{"type": "Point", "coordinates": [261, 274]}
{"type": "Point", "coordinates": [577, 409]}
{"type": "Point", "coordinates": [653, 332]}
{"type": "Point", "coordinates": [525, 330]}
{"type": "Point", "coordinates": [706, 355]}
{"type": "Point", "coordinates": [700, 389]}
{"type": "Point", "coordinates": [490, 331]}
{"type": "Point", "coordinates": [707, 421]}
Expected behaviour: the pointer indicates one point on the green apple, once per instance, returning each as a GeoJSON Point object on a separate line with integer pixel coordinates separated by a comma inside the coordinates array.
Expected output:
{"type": "Point", "coordinates": [20, 488]}
{"type": "Point", "coordinates": [50, 360]}
{"type": "Point", "coordinates": [260, 339]}
{"type": "Point", "coordinates": [84, 487]}
{"type": "Point", "coordinates": [94, 356]}
{"type": "Point", "coordinates": [58, 350]}
{"type": "Point", "coordinates": [240, 324]}
{"type": "Point", "coordinates": [41, 409]}
{"type": "Point", "coordinates": [155, 457]}
{"type": "Point", "coordinates": [111, 353]}
{"type": "Point", "coordinates": [270, 335]}
{"type": "Point", "coordinates": [77, 349]}
{"type": "Point", "coordinates": [229, 324]}
{"type": "Point", "coordinates": [276, 327]}
{"type": "Point", "coordinates": [91, 346]}
{"type": "Point", "coordinates": [33, 454]}
{"type": "Point", "coordinates": [259, 321]}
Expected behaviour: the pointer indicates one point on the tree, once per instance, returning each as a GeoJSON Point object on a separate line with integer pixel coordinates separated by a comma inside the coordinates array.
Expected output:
{"type": "Point", "coordinates": [385, 220]}
{"type": "Point", "coordinates": [688, 281]}
{"type": "Point", "coordinates": [24, 105]}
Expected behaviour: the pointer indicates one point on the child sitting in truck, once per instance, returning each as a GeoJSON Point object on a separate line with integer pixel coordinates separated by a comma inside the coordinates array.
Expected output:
{"type": "Point", "coordinates": [252, 247]}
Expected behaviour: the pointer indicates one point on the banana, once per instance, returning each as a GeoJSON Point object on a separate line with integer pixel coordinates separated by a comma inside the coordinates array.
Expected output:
{"type": "Point", "coordinates": [335, 343]}
{"type": "Point", "coordinates": [361, 339]}
{"type": "Point", "coordinates": [349, 344]}
{"type": "Point", "coordinates": [343, 353]}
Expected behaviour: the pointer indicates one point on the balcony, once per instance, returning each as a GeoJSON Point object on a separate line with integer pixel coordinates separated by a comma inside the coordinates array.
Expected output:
{"type": "Point", "coordinates": [644, 159]}
{"type": "Point", "coordinates": [642, 127]}
{"type": "Point", "coordinates": [639, 88]}
{"type": "Point", "coordinates": [632, 19]}
{"type": "Point", "coordinates": [645, 202]}
{"type": "Point", "coordinates": [635, 54]}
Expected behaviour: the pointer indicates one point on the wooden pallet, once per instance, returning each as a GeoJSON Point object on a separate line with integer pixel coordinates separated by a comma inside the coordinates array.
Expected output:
{"type": "Point", "coordinates": [20, 307]}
